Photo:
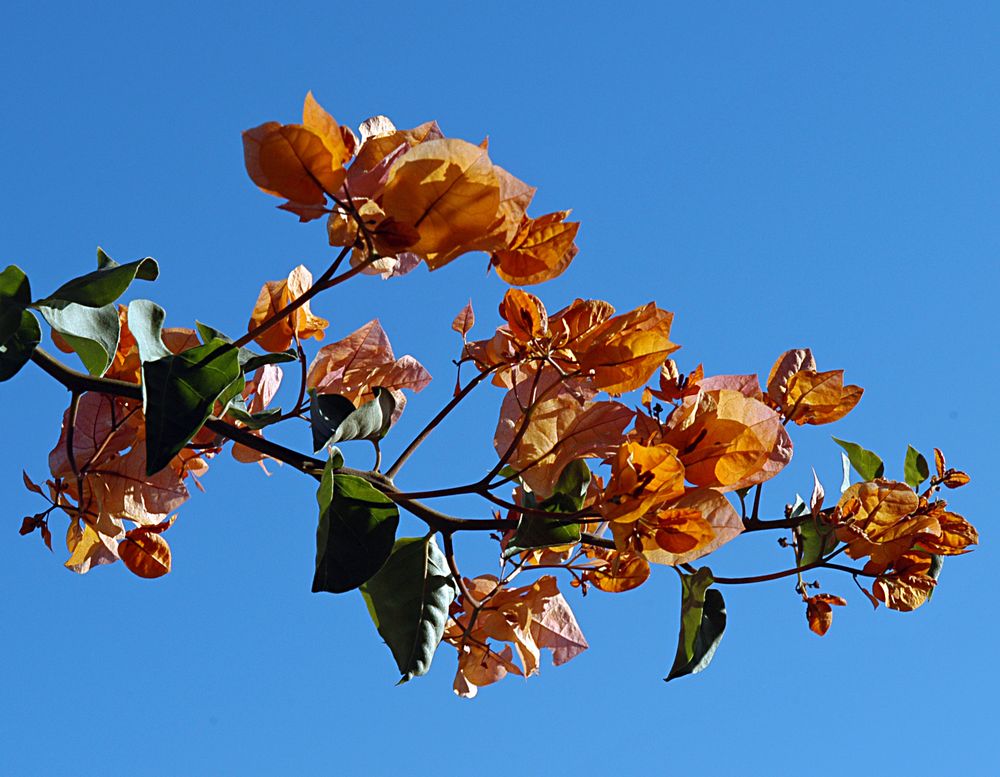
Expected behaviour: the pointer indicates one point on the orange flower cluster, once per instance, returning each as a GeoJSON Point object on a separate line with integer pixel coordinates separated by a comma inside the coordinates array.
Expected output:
{"type": "Point", "coordinates": [404, 196]}
{"type": "Point", "coordinates": [900, 533]}
{"type": "Point", "coordinates": [529, 618]}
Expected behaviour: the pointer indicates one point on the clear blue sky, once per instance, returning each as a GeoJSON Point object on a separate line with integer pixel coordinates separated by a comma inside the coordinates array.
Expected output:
{"type": "Point", "coordinates": [778, 174]}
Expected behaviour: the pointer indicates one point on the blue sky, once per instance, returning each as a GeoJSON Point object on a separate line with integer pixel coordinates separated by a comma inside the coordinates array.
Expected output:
{"type": "Point", "coordinates": [776, 174]}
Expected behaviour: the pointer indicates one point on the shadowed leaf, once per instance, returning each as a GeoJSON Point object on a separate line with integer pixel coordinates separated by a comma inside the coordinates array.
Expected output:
{"type": "Point", "coordinates": [408, 600]}
{"type": "Point", "coordinates": [357, 527]}
{"type": "Point", "coordinates": [703, 620]}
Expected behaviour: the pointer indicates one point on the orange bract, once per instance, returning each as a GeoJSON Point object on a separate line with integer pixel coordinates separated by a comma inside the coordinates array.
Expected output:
{"type": "Point", "coordinates": [301, 162]}
{"type": "Point", "coordinates": [806, 396]}
{"type": "Point", "coordinates": [614, 354]}
{"type": "Point", "coordinates": [541, 249]}
{"type": "Point", "coordinates": [362, 361]}
{"type": "Point", "coordinates": [643, 477]}
{"type": "Point", "coordinates": [447, 191]}
{"type": "Point", "coordinates": [145, 552]}
{"type": "Point", "coordinates": [562, 427]}
{"type": "Point", "coordinates": [300, 324]}
{"type": "Point", "coordinates": [530, 618]}
{"type": "Point", "coordinates": [819, 612]}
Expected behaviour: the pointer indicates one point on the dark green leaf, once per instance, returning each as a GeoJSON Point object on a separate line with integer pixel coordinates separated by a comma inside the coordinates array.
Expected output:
{"type": "Point", "coordinates": [357, 526]}
{"type": "Point", "coordinates": [249, 360]}
{"type": "Point", "coordinates": [534, 531]}
{"type": "Point", "coordinates": [937, 563]}
{"type": "Point", "coordinates": [814, 539]}
{"type": "Point", "coordinates": [16, 351]}
{"type": "Point", "coordinates": [703, 620]}
{"type": "Point", "coordinates": [15, 296]}
{"type": "Point", "coordinates": [254, 420]}
{"type": "Point", "coordinates": [408, 600]}
{"type": "Point", "coordinates": [179, 393]}
{"type": "Point", "coordinates": [91, 332]}
{"type": "Point", "coordinates": [867, 464]}
{"type": "Point", "coordinates": [915, 469]}
{"type": "Point", "coordinates": [105, 284]}
{"type": "Point", "coordinates": [145, 322]}
{"type": "Point", "coordinates": [335, 419]}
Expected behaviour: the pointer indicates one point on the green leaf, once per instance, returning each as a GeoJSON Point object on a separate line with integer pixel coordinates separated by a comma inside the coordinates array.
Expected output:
{"type": "Point", "coordinates": [178, 394]}
{"type": "Point", "coordinates": [15, 296]}
{"type": "Point", "coordinates": [249, 360]}
{"type": "Point", "coordinates": [19, 346]}
{"type": "Point", "coordinates": [845, 466]}
{"type": "Point", "coordinates": [145, 322]}
{"type": "Point", "coordinates": [408, 600]}
{"type": "Point", "coordinates": [915, 469]}
{"type": "Point", "coordinates": [357, 527]}
{"type": "Point", "coordinates": [253, 420]}
{"type": "Point", "coordinates": [534, 531]}
{"type": "Point", "coordinates": [507, 472]}
{"type": "Point", "coordinates": [104, 285]}
{"type": "Point", "coordinates": [703, 620]}
{"type": "Point", "coordinates": [867, 464]}
{"type": "Point", "coordinates": [814, 539]}
{"type": "Point", "coordinates": [335, 419]}
{"type": "Point", "coordinates": [91, 332]}
{"type": "Point", "coordinates": [937, 563]}
{"type": "Point", "coordinates": [799, 507]}
{"type": "Point", "coordinates": [571, 488]}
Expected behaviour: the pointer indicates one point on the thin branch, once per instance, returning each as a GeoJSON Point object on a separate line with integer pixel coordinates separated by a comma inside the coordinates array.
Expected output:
{"type": "Point", "coordinates": [433, 423]}
{"type": "Point", "coordinates": [822, 563]}
{"type": "Point", "coordinates": [323, 282]}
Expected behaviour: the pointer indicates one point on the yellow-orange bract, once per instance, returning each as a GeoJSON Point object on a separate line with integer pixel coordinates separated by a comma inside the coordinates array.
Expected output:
{"type": "Point", "coordinates": [806, 396]}
{"type": "Point", "coordinates": [300, 324]}
{"type": "Point", "coordinates": [642, 478]}
{"type": "Point", "coordinates": [541, 249]}
{"type": "Point", "coordinates": [613, 353]}
{"type": "Point", "coordinates": [301, 162]}
{"type": "Point", "coordinates": [447, 191]}
{"type": "Point", "coordinates": [727, 440]}
{"type": "Point", "coordinates": [409, 195]}
{"type": "Point", "coordinates": [899, 530]}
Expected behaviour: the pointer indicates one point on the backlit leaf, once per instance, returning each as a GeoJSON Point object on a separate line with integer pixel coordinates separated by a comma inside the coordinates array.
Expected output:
{"type": "Point", "coordinates": [867, 464]}
{"type": "Point", "coordinates": [145, 323]}
{"type": "Point", "coordinates": [465, 320]}
{"type": "Point", "coordinates": [703, 620]}
{"type": "Point", "coordinates": [535, 531]}
{"type": "Point", "coordinates": [915, 469]}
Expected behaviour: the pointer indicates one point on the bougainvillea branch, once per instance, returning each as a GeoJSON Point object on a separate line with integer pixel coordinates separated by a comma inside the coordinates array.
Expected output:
{"type": "Point", "coordinates": [611, 461]}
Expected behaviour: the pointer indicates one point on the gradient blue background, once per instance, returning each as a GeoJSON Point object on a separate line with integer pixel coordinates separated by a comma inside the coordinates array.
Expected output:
{"type": "Point", "coordinates": [778, 174]}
